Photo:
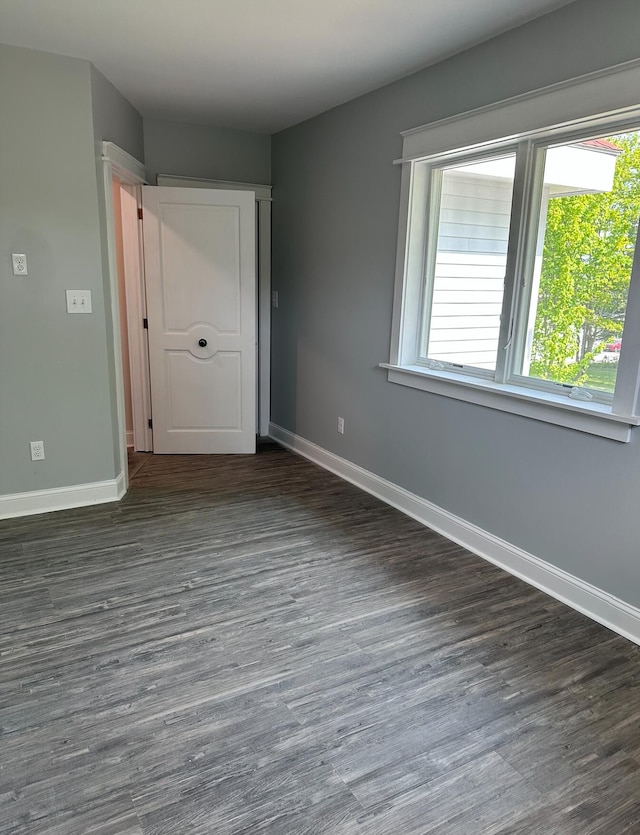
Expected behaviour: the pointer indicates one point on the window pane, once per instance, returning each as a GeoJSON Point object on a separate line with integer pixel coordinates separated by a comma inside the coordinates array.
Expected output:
{"type": "Point", "coordinates": [584, 252]}
{"type": "Point", "coordinates": [467, 266]}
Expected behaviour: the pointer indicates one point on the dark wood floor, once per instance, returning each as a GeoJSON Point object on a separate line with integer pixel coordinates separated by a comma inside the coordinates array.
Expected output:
{"type": "Point", "coordinates": [248, 644]}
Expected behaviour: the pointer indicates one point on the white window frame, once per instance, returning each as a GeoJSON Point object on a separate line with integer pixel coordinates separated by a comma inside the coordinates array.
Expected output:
{"type": "Point", "coordinates": [430, 247]}
{"type": "Point", "coordinates": [561, 113]}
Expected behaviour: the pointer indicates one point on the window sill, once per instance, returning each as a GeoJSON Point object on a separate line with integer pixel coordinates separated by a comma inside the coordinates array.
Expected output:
{"type": "Point", "coordinates": [593, 418]}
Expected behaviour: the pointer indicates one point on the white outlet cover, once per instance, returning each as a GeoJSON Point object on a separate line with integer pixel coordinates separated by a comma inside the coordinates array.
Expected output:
{"type": "Point", "coordinates": [19, 261]}
{"type": "Point", "coordinates": [37, 450]}
{"type": "Point", "coordinates": [79, 301]}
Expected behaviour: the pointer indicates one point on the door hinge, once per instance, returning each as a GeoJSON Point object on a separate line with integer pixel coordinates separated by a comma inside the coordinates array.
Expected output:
{"type": "Point", "coordinates": [139, 212]}
{"type": "Point", "coordinates": [145, 323]}
{"type": "Point", "coordinates": [150, 422]}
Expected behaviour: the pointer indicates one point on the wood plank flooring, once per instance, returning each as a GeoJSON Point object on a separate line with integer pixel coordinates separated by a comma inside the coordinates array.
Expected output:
{"type": "Point", "coordinates": [248, 645]}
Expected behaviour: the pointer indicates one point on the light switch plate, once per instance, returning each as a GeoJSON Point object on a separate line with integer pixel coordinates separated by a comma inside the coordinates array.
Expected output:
{"type": "Point", "coordinates": [79, 301]}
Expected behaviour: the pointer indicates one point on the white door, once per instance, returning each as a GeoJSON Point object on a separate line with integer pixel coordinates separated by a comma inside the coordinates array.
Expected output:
{"type": "Point", "coordinates": [199, 249]}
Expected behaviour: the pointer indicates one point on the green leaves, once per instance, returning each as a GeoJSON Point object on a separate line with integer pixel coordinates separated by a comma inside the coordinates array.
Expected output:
{"type": "Point", "coordinates": [588, 253]}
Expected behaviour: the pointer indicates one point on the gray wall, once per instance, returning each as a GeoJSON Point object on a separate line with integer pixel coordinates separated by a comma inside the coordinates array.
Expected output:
{"type": "Point", "coordinates": [54, 368]}
{"type": "Point", "coordinates": [207, 152]}
{"type": "Point", "coordinates": [567, 497]}
{"type": "Point", "coordinates": [114, 118]}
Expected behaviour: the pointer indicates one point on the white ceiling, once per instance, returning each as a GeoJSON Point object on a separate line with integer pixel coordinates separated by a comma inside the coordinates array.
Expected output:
{"type": "Point", "coordinates": [259, 65]}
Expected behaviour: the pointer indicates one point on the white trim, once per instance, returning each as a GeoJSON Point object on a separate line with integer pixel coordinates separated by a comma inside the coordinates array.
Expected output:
{"type": "Point", "coordinates": [112, 258]}
{"type": "Point", "coordinates": [62, 498]}
{"type": "Point", "coordinates": [264, 316]}
{"type": "Point", "coordinates": [126, 168]}
{"type": "Point", "coordinates": [129, 438]}
{"type": "Point", "coordinates": [262, 191]}
{"type": "Point", "coordinates": [120, 165]}
{"type": "Point", "coordinates": [522, 116]}
{"type": "Point", "coordinates": [591, 601]}
{"type": "Point", "coordinates": [593, 418]}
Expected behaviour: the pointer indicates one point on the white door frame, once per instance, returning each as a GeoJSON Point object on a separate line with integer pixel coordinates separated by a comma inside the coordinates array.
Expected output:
{"type": "Point", "coordinates": [136, 305]}
{"type": "Point", "coordinates": [121, 166]}
{"type": "Point", "coordinates": [263, 248]}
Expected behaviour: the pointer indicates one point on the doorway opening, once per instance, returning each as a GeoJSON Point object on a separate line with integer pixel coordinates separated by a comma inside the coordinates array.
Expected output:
{"type": "Point", "coordinates": [124, 178]}
{"type": "Point", "coordinates": [132, 318]}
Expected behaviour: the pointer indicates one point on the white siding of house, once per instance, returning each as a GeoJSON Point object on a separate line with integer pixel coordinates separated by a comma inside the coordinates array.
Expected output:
{"type": "Point", "coordinates": [470, 269]}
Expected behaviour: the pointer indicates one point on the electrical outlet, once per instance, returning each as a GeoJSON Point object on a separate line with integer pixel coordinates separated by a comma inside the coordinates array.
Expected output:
{"type": "Point", "coordinates": [19, 264]}
{"type": "Point", "coordinates": [37, 450]}
{"type": "Point", "coordinates": [341, 425]}
{"type": "Point", "coordinates": [79, 301]}
{"type": "Point", "coordinates": [275, 299]}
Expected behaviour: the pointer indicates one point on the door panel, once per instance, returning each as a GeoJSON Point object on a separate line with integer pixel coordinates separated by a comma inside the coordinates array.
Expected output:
{"type": "Point", "coordinates": [201, 291]}
{"type": "Point", "coordinates": [194, 387]}
{"type": "Point", "coordinates": [195, 241]}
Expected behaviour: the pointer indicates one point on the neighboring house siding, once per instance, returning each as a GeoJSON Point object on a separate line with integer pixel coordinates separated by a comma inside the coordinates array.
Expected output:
{"type": "Point", "coordinates": [470, 269]}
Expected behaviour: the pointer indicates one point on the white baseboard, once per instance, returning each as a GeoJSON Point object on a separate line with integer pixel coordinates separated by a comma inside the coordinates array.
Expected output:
{"type": "Point", "coordinates": [129, 438]}
{"type": "Point", "coordinates": [597, 604]}
{"type": "Point", "coordinates": [61, 498]}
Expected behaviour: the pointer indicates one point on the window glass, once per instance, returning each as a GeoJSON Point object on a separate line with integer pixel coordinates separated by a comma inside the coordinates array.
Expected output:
{"type": "Point", "coordinates": [466, 260]}
{"type": "Point", "coordinates": [580, 273]}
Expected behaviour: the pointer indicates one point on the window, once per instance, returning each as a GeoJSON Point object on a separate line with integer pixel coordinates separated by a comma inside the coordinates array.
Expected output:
{"type": "Point", "coordinates": [579, 272]}
{"type": "Point", "coordinates": [469, 221]}
{"type": "Point", "coordinates": [515, 280]}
